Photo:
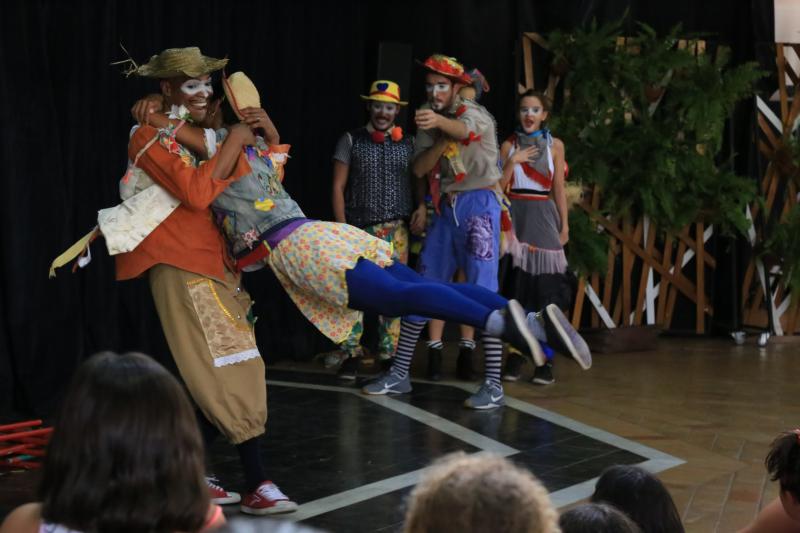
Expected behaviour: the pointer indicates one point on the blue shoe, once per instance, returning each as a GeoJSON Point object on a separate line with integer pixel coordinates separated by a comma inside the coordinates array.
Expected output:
{"type": "Point", "coordinates": [489, 396]}
{"type": "Point", "coordinates": [389, 383]}
{"type": "Point", "coordinates": [563, 337]}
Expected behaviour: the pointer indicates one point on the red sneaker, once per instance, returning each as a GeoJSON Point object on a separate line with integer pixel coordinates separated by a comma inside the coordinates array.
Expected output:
{"type": "Point", "coordinates": [267, 499]}
{"type": "Point", "coordinates": [219, 495]}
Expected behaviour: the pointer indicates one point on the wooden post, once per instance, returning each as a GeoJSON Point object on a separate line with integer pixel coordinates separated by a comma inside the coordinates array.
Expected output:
{"type": "Point", "coordinates": [666, 260]}
{"type": "Point", "coordinates": [579, 299]}
{"type": "Point", "coordinates": [700, 266]}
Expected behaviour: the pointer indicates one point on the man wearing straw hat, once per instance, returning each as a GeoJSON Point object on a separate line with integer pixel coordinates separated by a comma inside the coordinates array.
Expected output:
{"type": "Point", "coordinates": [372, 191]}
{"type": "Point", "coordinates": [204, 311]}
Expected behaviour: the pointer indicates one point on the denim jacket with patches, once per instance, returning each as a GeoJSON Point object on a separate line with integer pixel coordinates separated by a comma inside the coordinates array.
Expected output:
{"type": "Point", "coordinates": [255, 205]}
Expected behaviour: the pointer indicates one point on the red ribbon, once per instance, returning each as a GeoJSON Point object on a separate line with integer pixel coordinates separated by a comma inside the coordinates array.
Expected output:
{"type": "Point", "coordinates": [471, 139]}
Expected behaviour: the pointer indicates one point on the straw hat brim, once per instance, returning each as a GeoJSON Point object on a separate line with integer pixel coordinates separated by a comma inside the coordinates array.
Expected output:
{"type": "Point", "coordinates": [174, 65]}
{"type": "Point", "coordinates": [241, 92]}
{"type": "Point", "coordinates": [383, 98]}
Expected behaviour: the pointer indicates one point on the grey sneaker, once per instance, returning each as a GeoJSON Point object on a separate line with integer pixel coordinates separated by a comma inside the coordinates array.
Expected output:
{"type": "Point", "coordinates": [563, 337]}
{"type": "Point", "coordinates": [389, 383]}
{"type": "Point", "coordinates": [518, 333]}
{"type": "Point", "coordinates": [489, 396]}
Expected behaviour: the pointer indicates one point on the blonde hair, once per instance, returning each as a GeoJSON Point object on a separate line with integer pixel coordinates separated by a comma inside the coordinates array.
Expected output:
{"type": "Point", "coordinates": [464, 493]}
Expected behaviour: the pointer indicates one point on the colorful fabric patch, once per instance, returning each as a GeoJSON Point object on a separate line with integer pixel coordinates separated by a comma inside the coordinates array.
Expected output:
{"type": "Point", "coordinates": [250, 237]}
{"type": "Point", "coordinates": [480, 237]}
{"type": "Point", "coordinates": [264, 204]}
{"type": "Point", "coordinates": [228, 334]}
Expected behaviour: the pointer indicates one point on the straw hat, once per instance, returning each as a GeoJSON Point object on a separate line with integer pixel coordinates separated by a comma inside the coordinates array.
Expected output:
{"type": "Point", "coordinates": [448, 67]}
{"type": "Point", "coordinates": [384, 91]}
{"type": "Point", "coordinates": [241, 92]}
{"type": "Point", "coordinates": [174, 62]}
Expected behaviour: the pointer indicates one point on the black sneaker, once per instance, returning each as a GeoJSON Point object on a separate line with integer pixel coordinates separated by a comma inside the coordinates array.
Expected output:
{"type": "Point", "coordinates": [464, 369]}
{"type": "Point", "coordinates": [513, 368]}
{"type": "Point", "coordinates": [563, 337]}
{"type": "Point", "coordinates": [519, 335]}
{"type": "Point", "coordinates": [385, 363]}
{"type": "Point", "coordinates": [348, 369]}
{"type": "Point", "coordinates": [434, 364]}
{"type": "Point", "coordinates": [543, 375]}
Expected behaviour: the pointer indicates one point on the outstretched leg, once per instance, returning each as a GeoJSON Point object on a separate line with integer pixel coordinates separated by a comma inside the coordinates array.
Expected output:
{"type": "Point", "coordinates": [399, 291]}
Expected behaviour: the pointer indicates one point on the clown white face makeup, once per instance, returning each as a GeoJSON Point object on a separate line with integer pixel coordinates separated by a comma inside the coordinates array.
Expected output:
{"type": "Point", "coordinates": [439, 90]}
{"type": "Point", "coordinates": [194, 87]}
{"type": "Point", "coordinates": [382, 114]}
{"type": "Point", "coordinates": [531, 114]}
{"type": "Point", "coordinates": [192, 93]}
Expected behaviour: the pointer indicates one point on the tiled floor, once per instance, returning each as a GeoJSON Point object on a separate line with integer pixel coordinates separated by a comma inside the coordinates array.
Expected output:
{"type": "Point", "coordinates": [324, 444]}
{"type": "Point", "coordinates": [714, 405]}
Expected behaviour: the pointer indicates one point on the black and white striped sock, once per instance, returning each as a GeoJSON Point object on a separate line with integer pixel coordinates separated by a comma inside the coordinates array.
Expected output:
{"type": "Point", "coordinates": [466, 343]}
{"type": "Point", "coordinates": [436, 345]}
{"type": "Point", "coordinates": [409, 334]}
{"type": "Point", "coordinates": [493, 352]}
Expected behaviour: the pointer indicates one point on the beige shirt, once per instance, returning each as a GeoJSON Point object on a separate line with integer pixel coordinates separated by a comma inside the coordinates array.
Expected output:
{"type": "Point", "coordinates": [479, 153]}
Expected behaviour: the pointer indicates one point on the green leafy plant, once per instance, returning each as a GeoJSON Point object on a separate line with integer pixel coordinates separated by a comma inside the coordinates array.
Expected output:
{"type": "Point", "coordinates": [587, 249]}
{"type": "Point", "coordinates": [784, 245]}
{"type": "Point", "coordinates": [644, 119]}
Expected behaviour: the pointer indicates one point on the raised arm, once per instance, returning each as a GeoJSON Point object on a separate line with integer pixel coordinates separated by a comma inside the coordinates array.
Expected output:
{"type": "Point", "coordinates": [257, 118]}
{"type": "Point", "coordinates": [427, 159]}
{"type": "Point", "coordinates": [519, 156]}
{"type": "Point", "coordinates": [195, 187]}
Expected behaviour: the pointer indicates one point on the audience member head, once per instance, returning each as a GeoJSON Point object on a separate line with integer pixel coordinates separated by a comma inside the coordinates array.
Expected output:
{"type": "Point", "coordinates": [596, 518]}
{"type": "Point", "coordinates": [465, 493]}
{"type": "Point", "coordinates": [783, 465]}
{"type": "Point", "coordinates": [265, 525]}
{"type": "Point", "coordinates": [126, 454]}
{"type": "Point", "coordinates": [641, 496]}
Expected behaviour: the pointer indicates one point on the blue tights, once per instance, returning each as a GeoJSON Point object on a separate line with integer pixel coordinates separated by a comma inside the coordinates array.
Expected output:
{"type": "Point", "coordinates": [399, 291]}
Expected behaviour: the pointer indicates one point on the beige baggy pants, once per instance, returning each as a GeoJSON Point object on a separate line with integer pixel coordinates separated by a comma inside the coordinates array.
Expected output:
{"type": "Point", "coordinates": [208, 332]}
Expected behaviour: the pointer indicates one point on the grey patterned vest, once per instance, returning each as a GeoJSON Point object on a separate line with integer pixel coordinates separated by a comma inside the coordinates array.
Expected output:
{"type": "Point", "coordinates": [378, 185]}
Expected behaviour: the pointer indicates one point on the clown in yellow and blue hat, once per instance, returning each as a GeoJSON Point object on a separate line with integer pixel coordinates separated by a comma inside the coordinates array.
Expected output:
{"type": "Point", "coordinates": [383, 106]}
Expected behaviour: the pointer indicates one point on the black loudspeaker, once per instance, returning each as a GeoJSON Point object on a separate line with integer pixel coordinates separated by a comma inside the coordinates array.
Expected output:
{"type": "Point", "coordinates": [394, 64]}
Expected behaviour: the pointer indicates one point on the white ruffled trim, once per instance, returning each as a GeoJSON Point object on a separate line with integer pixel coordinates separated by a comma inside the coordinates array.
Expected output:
{"type": "Point", "coordinates": [537, 260]}
{"type": "Point", "coordinates": [236, 357]}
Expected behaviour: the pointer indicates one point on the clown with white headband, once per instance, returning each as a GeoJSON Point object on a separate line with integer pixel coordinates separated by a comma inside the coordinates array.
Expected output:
{"type": "Point", "coordinates": [372, 191]}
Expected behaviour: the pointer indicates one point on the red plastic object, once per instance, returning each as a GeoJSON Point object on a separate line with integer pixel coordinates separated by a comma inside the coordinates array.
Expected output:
{"type": "Point", "coordinates": [23, 444]}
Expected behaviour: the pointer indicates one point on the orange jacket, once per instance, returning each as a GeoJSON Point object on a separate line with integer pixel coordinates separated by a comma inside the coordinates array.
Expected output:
{"type": "Point", "coordinates": [188, 239]}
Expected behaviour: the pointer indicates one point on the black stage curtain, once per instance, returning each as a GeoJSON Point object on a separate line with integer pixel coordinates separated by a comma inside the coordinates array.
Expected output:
{"type": "Point", "coordinates": [65, 120]}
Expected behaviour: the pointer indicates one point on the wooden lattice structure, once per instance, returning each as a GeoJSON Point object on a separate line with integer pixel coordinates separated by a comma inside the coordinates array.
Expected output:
{"type": "Point", "coordinates": [654, 264]}
{"type": "Point", "coordinates": [778, 192]}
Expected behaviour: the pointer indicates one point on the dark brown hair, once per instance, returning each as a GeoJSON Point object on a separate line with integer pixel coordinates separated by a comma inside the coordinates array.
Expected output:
{"type": "Point", "coordinates": [596, 518]}
{"type": "Point", "coordinates": [783, 462]}
{"type": "Point", "coordinates": [547, 105]}
{"type": "Point", "coordinates": [640, 495]}
{"type": "Point", "coordinates": [126, 454]}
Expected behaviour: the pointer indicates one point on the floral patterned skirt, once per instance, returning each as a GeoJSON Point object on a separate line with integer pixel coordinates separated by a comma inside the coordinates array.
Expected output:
{"type": "Point", "coordinates": [311, 264]}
